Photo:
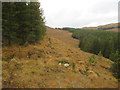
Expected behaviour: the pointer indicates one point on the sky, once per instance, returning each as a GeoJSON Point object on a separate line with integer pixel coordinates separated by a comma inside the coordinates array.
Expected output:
{"type": "Point", "coordinates": [79, 13]}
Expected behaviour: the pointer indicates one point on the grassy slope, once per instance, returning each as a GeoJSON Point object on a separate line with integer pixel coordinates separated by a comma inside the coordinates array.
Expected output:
{"type": "Point", "coordinates": [106, 26]}
{"type": "Point", "coordinates": [41, 69]}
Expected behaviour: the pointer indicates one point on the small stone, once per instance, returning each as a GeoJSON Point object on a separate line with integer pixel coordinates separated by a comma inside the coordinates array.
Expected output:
{"type": "Point", "coordinates": [66, 64]}
{"type": "Point", "coordinates": [60, 64]}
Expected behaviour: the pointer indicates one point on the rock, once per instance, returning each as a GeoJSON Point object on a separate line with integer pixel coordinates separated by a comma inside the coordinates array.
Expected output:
{"type": "Point", "coordinates": [60, 64]}
{"type": "Point", "coordinates": [66, 65]}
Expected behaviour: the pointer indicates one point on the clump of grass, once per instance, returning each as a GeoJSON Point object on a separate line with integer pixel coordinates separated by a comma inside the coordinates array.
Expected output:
{"type": "Point", "coordinates": [73, 66]}
{"type": "Point", "coordinates": [33, 72]}
{"type": "Point", "coordinates": [7, 60]}
{"type": "Point", "coordinates": [100, 55]}
{"type": "Point", "coordinates": [92, 60]}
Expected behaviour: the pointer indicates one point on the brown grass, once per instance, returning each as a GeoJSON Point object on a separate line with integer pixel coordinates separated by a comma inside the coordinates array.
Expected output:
{"type": "Point", "coordinates": [105, 26]}
{"type": "Point", "coordinates": [41, 69]}
{"type": "Point", "coordinates": [63, 36]}
{"type": "Point", "coordinates": [115, 30]}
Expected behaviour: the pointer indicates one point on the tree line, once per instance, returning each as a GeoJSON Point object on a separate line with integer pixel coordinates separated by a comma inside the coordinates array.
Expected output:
{"type": "Point", "coordinates": [95, 41]}
{"type": "Point", "coordinates": [98, 40]}
{"type": "Point", "coordinates": [22, 23]}
{"type": "Point", "coordinates": [99, 28]}
{"type": "Point", "coordinates": [106, 43]}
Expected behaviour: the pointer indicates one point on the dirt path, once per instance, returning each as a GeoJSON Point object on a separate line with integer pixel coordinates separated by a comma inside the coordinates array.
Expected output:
{"type": "Point", "coordinates": [63, 36]}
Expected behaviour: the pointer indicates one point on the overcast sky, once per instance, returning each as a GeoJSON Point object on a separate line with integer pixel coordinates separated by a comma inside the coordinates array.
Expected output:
{"type": "Point", "coordinates": [79, 13]}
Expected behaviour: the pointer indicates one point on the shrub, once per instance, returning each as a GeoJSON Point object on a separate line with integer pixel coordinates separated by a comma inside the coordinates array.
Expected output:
{"type": "Point", "coordinates": [100, 55]}
{"type": "Point", "coordinates": [73, 66]}
{"type": "Point", "coordinates": [92, 60]}
{"type": "Point", "coordinates": [115, 69]}
{"type": "Point", "coordinates": [115, 66]}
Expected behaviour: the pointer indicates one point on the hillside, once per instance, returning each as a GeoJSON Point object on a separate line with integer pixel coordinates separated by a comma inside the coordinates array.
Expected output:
{"type": "Point", "coordinates": [63, 36]}
{"type": "Point", "coordinates": [37, 66]}
{"type": "Point", "coordinates": [109, 27]}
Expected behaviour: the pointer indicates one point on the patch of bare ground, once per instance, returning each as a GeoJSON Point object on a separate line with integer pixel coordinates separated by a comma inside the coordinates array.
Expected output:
{"type": "Point", "coordinates": [37, 66]}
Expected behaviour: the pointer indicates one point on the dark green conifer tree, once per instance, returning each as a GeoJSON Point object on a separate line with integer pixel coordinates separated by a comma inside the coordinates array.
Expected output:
{"type": "Point", "coordinates": [22, 23]}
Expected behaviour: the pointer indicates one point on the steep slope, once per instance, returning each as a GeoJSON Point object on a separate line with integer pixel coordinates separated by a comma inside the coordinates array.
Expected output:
{"type": "Point", "coordinates": [37, 66]}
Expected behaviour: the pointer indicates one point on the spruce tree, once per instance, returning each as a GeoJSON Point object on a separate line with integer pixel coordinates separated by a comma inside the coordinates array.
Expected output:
{"type": "Point", "coordinates": [23, 23]}
{"type": "Point", "coordinates": [9, 24]}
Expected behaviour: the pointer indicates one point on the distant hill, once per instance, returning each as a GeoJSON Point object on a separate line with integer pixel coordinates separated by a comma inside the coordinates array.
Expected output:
{"type": "Point", "coordinates": [108, 27]}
